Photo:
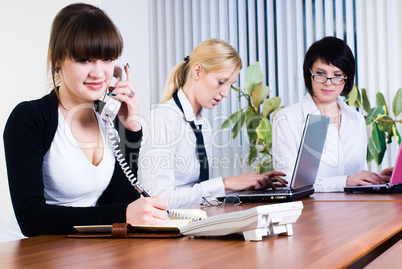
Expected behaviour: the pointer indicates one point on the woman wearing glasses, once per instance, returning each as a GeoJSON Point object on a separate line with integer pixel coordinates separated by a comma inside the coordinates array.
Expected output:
{"type": "Point", "coordinates": [329, 70]}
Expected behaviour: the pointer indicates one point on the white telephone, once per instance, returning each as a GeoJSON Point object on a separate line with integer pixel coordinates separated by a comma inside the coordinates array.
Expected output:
{"type": "Point", "coordinates": [109, 108]}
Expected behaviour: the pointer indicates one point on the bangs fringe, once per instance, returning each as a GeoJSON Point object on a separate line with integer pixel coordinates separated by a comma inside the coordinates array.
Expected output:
{"type": "Point", "coordinates": [94, 39]}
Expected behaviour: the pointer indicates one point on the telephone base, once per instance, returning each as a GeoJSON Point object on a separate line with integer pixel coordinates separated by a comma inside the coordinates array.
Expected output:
{"type": "Point", "coordinates": [254, 223]}
{"type": "Point", "coordinates": [257, 234]}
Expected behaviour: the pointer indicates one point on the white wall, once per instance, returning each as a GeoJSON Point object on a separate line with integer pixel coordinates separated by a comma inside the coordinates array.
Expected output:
{"type": "Point", "coordinates": [131, 17]}
{"type": "Point", "coordinates": [24, 37]}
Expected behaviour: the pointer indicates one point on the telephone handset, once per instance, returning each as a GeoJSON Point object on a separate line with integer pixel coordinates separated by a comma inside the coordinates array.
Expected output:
{"type": "Point", "coordinates": [109, 108]}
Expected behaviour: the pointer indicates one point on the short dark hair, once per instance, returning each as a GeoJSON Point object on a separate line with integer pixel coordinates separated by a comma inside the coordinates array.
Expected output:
{"type": "Point", "coordinates": [82, 31]}
{"type": "Point", "coordinates": [330, 50]}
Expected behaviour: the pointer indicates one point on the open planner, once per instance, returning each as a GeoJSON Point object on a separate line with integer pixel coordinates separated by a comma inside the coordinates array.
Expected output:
{"type": "Point", "coordinates": [253, 223]}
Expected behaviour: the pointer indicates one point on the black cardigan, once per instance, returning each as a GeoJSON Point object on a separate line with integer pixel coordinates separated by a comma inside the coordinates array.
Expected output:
{"type": "Point", "coordinates": [28, 134]}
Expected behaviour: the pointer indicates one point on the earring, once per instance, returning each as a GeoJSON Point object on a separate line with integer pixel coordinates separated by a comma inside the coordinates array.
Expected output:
{"type": "Point", "coordinates": [196, 78]}
{"type": "Point", "coordinates": [57, 70]}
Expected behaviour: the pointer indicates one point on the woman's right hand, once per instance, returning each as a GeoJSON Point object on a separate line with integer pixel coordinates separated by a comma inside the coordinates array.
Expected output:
{"type": "Point", "coordinates": [147, 211]}
{"type": "Point", "coordinates": [254, 181]}
{"type": "Point", "coordinates": [364, 178]}
{"type": "Point", "coordinates": [387, 173]}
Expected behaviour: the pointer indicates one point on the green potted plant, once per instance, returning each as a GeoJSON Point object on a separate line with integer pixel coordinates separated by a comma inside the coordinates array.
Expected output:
{"type": "Point", "coordinates": [255, 116]}
{"type": "Point", "coordinates": [382, 126]}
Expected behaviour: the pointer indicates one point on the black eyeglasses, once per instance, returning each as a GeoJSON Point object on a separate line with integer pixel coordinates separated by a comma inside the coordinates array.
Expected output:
{"type": "Point", "coordinates": [323, 79]}
{"type": "Point", "coordinates": [213, 201]}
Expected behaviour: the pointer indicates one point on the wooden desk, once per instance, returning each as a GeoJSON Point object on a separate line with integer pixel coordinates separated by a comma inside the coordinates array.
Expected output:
{"type": "Point", "coordinates": [353, 197]}
{"type": "Point", "coordinates": [388, 260]}
{"type": "Point", "coordinates": [326, 235]}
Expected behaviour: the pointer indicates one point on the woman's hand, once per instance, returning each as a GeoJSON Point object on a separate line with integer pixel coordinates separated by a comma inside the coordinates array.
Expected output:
{"type": "Point", "coordinates": [147, 211]}
{"type": "Point", "coordinates": [129, 113]}
{"type": "Point", "coordinates": [387, 173]}
{"type": "Point", "coordinates": [364, 178]}
{"type": "Point", "coordinates": [254, 181]}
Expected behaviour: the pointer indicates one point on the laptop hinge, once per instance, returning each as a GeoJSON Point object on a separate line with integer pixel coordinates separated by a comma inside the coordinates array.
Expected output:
{"type": "Point", "coordinates": [303, 188]}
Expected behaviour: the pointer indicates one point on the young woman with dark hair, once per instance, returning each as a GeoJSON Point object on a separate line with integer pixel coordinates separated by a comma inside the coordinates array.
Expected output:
{"type": "Point", "coordinates": [61, 169]}
{"type": "Point", "coordinates": [329, 70]}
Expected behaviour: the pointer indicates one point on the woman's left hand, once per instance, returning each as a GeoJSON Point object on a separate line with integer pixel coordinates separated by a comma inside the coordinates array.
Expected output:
{"type": "Point", "coordinates": [129, 113]}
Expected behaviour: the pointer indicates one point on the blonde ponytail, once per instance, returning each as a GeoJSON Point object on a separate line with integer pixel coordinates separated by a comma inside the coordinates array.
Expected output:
{"type": "Point", "coordinates": [212, 54]}
{"type": "Point", "coordinates": [176, 79]}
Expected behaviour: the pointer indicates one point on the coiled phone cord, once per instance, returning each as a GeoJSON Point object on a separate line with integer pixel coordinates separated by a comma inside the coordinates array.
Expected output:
{"type": "Point", "coordinates": [122, 162]}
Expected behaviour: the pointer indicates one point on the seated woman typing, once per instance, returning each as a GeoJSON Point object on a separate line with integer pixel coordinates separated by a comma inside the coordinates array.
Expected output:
{"type": "Point", "coordinates": [177, 141]}
{"type": "Point", "coordinates": [329, 70]}
{"type": "Point", "coordinates": [61, 169]}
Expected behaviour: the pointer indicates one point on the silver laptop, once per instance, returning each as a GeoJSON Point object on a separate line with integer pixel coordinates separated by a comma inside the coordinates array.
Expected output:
{"type": "Point", "coordinates": [305, 168]}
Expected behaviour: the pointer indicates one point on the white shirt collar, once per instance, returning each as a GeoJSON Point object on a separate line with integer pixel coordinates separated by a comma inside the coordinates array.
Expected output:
{"type": "Point", "coordinates": [309, 107]}
{"type": "Point", "coordinates": [187, 108]}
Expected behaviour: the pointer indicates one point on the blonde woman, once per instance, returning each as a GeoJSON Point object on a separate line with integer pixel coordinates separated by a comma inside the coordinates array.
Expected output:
{"type": "Point", "coordinates": [172, 163]}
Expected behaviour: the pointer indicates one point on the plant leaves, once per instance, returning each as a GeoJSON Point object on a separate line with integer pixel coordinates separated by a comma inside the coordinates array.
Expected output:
{"type": "Point", "coordinates": [265, 166]}
{"type": "Point", "coordinates": [372, 149]}
{"type": "Point", "coordinates": [369, 157]}
{"type": "Point", "coordinates": [351, 97]}
{"type": "Point", "coordinates": [264, 130]}
{"type": "Point", "coordinates": [396, 134]}
{"type": "Point", "coordinates": [270, 105]}
{"type": "Point", "coordinates": [256, 95]}
{"type": "Point", "coordinates": [377, 144]}
{"type": "Point", "coordinates": [252, 154]}
{"type": "Point", "coordinates": [354, 98]}
{"type": "Point", "coordinates": [380, 101]}
{"type": "Point", "coordinates": [237, 127]}
{"type": "Point", "coordinates": [252, 77]}
{"type": "Point", "coordinates": [397, 103]}
{"type": "Point", "coordinates": [252, 122]}
{"type": "Point", "coordinates": [365, 101]}
{"type": "Point", "coordinates": [385, 123]}
{"type": "Point", "coordinates": [265, 92]}
{"type": "Point", "coordinates": [374, 114]}
{"type": "Point", "coordinates": [233, 119]}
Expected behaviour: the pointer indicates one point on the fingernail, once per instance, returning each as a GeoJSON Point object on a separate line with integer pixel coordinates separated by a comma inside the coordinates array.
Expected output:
{"type": "Point", "coordinates": [128, 65]}
{"type": "Point", "coordinates": [112, 89]}
{"type": "Point", "coordinates": [112, 94]}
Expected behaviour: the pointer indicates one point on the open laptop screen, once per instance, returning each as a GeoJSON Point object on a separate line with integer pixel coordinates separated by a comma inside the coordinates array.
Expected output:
{"type": "Point", "coordinates": [310, 150]}
{"type": "Point", "coordinates": [396, 177]}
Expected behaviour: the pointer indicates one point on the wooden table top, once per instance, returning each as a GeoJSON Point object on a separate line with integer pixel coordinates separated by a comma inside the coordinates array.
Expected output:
{"type": "Point", "coordinates": [353, 197]}
{"type": "Point", "coordinates": [326, 235]}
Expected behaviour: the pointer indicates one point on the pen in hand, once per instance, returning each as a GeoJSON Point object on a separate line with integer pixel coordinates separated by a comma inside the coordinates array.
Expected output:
{"type": "Point", "coordinates": [141, 190]}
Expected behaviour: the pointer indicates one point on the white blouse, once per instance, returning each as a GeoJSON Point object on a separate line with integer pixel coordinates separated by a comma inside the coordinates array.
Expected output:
{"type": "Point", "coordinates": [168, 163]}
{"type": "Point", "coordinates": [344, 152]}
{"type": "Point", "coordinates": [70, 179]}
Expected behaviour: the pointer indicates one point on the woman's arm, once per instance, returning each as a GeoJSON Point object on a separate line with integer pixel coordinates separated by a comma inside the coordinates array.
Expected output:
{"type": "Point", "coordinates": [25, 138]}
{"type": "Point", "coordinates": [168, 161]}
{"type": "Point", "coordinates": [286, 135]}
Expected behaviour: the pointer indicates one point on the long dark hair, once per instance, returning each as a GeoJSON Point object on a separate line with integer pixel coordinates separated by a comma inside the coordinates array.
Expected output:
{"type": "Point", "coordinates": [82, 31]}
